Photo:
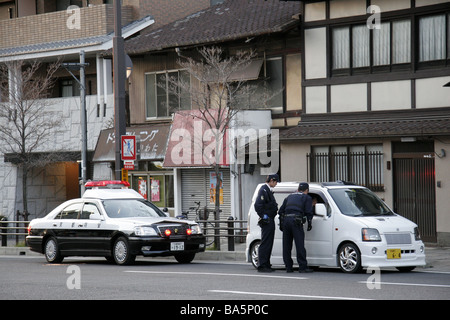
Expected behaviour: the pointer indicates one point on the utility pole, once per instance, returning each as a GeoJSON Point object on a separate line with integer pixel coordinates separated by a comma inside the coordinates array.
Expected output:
{"type": "Point", "coordinates": [83, 118]}
{"type": "Point", "coordinates": [119, 87]}
{"type": "Point", "coordinates": [83, 121]}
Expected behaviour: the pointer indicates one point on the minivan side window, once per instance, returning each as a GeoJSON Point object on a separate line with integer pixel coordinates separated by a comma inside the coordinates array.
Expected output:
{"type": "Point", "coordinates": [319, 198]}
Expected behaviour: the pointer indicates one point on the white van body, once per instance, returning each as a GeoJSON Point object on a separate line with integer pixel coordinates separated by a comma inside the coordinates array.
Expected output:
{"type": "Point", "coordinates": [336, 238]}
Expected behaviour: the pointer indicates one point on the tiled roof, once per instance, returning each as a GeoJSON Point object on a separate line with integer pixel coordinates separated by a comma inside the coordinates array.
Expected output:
{"type": "Point", "coordinates": [371, 127]}
{"type": "Point", "coordinates": [233, 19]}
{"type": "Point", "coordinates": [72, 43]}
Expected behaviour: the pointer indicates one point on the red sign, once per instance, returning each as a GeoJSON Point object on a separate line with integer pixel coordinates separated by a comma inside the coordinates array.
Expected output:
{"type": "Point", "coordinates": [129, 147]}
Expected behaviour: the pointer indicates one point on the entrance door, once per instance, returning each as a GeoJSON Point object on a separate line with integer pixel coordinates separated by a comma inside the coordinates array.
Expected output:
{"type": "Point", "coordinates": [414, 190]}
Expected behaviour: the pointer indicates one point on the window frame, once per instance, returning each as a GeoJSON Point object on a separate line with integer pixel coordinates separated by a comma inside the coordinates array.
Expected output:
{"type": "Point", "coordinates": [446, 26]}
{"type": "Point", "coordinates": [355, 165]}
{"type": "Point", "coordinates": [169, 111]}
{"type": "Point", "coordinates": [371, 67]}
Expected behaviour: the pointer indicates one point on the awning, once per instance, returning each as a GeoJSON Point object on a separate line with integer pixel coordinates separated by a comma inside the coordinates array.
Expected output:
{"type": "Point", "coordinates": [192, 142]}
{"type": "Point", "coordinates": [251, 72]}
{"type": "Point", "coordinates": [153, 142]}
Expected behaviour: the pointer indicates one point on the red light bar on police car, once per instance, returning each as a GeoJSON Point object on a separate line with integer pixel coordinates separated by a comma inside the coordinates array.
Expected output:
{"type": "Point", "coordinates": [109, 184]}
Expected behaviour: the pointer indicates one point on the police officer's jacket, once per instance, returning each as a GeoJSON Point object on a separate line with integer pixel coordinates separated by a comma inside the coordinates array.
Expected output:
{"type": "Point", "coordinates": [265, 202]}
{"type": "Point", "coordinates": [298, 204]}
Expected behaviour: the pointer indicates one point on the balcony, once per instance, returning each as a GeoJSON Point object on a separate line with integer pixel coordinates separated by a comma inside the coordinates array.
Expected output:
{"type": "Point", "coordinates": [57, 26]}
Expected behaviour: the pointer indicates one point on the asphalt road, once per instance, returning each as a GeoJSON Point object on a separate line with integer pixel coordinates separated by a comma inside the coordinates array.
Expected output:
{"type": "Point", "coordinates": [32, 278]}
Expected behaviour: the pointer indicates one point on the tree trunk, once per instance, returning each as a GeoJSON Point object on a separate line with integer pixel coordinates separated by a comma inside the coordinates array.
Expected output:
{"type": "Point", "coordinates": [217, 207]}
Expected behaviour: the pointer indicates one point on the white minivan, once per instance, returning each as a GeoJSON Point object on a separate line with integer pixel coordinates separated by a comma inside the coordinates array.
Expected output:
{"type": "Point", "coordinates": [352, 229]}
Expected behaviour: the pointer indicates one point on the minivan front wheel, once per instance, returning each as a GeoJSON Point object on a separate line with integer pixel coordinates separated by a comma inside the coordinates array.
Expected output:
{"type": "Point", "coordinates": [349, 258]}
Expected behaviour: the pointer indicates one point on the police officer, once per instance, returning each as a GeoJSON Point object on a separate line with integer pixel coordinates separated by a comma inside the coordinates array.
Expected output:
{"type": "Point", "coordinates": [266, 207]}
{"type": "Point", "coordinates": [294, 212]}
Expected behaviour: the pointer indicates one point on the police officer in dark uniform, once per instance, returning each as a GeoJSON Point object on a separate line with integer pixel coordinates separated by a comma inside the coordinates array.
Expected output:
{"type": "Point", "coordinates": [266, 207]}
{"type": "Point", "coordinates": [295, 211]}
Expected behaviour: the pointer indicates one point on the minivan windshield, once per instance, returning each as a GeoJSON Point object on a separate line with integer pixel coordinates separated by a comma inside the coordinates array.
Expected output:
{"type": "Point", "coordinates": [359, 202]}
{"type": "Point", "coordinates": [127, 208]}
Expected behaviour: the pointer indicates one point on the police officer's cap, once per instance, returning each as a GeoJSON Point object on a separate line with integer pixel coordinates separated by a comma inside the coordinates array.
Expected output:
{"type": "Point", "coordinates": [303, 186]}
{"type": "Point", "coordinates": [273, 177]}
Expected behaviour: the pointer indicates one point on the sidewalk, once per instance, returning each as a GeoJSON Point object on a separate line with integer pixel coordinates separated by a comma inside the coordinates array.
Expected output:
{"type": "Point", "coordinates": [437, 258]}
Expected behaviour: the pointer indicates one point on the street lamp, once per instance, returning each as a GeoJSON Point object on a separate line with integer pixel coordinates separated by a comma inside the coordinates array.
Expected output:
{"type": "Point", "coordinates": [82, 82]}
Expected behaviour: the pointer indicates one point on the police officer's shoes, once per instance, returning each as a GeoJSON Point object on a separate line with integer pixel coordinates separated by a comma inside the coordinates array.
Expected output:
{"type": "Point", "coordinates": [265, 269]}
{"type": "Point", "coordinates": [307, 270]}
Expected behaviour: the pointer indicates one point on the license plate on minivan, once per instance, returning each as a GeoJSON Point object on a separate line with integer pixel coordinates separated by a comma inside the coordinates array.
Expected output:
{"type": "Point", "coordinates": [176, 246]}
{"type": "Point", "coordinates": [394, 253]}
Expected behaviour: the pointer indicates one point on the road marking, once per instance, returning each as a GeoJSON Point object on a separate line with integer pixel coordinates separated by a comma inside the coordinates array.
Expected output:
{"type": "Point", "coordinates": [285, 295]}
{"type": "Point", "coordinates": [409, 284]}
{"type": "Point", "coordinates": [216, 274]}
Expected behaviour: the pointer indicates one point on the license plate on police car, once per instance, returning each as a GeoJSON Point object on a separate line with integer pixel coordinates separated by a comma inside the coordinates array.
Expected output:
{"type": "Point", "coordinates": [394, 253]}
{"type": "Point", "coordinates": [176, 246]}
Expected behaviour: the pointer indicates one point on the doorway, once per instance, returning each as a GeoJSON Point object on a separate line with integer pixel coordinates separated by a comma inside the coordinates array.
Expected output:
{"type": "Point", "coordinates": [414, 185]}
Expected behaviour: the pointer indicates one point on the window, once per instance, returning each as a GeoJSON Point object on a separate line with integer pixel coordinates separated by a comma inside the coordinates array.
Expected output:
{"type": "Point", "coordinates": [433, 38]}
{"type": "Point", "coordinates": [264, 85]}
{"type": "Point", "coordinates": [351, 47]}
{"type": "Point", "coordinates": [69, 88]}
{"type": "Point", "coordinates": [88, 209]}
{"type": "Point", "coordinates": [274, 76]}
{"type": "Point", "coordinates": [70, 212]}
{"type": "Point", "coordinates": [163, 97]}
{"type": "Point", "coordinates": [361, 164]}
{"type": "Point", "coordinates": [158, 187]}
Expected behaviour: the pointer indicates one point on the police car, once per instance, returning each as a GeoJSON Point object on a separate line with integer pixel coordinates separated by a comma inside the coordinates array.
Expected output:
{"type": "Point", "coordinates": [352, 229]}
{"type": "Point", "coordinates": [116, 222]}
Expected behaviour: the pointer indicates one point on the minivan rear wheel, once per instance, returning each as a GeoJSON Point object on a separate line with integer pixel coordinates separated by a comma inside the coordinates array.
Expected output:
{"type": "Point", "coordinates": [349, 258]}
{"type": "Point", "coordinates": [254, 253]}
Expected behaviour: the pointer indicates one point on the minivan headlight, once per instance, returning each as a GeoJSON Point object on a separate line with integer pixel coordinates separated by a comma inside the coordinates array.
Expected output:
{"type": "Point", "coordinates": [370, 234]}
{"type": "Point", "coordinates": [145, 231]}
{"type": "Point", "coordinates": [417, 234]}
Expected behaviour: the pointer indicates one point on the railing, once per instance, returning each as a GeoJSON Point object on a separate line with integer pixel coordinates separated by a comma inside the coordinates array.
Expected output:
{"type": "Point", "coordinates": [230, 229]}
{"type": "Point", "coordinates": [234, 230]}
{"type": "Point", "coordinates": [17, 228]}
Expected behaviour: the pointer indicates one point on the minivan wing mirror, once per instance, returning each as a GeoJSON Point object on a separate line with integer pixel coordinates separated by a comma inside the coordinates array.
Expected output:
{"type": "Point", "coordinates": [321, 209]}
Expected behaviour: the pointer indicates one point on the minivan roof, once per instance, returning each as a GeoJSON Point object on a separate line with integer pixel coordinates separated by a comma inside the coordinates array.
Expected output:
{"type": "Point", "coordinates": [289, 185]}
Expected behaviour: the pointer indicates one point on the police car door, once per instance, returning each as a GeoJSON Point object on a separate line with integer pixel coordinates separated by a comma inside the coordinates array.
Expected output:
{"type": "Point", "coordinates": [318, 240]}
{"type": "Point", "coordinates": [64, 227]}
{"type": "Point", "coordinates": [90, 231]}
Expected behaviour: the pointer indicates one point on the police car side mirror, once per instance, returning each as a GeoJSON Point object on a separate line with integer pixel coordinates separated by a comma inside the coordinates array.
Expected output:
{"type": "Point", "coordinates": [321, 209]}
{"type": "Point", "coordinates": [96, 216]}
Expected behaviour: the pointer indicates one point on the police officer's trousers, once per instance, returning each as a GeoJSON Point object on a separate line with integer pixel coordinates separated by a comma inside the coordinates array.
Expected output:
{"type": "Point", "coordinates": [265, 248]}
{"type": "Point", "coordinates": [293, 231]}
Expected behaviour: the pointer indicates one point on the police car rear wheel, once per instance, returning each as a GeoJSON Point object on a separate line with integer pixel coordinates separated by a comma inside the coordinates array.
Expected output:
{"type": "Point", "coordinates": [254, 253]}
{"type": "Point", "coordinates": [51, 251]}
{"type": "Point", "coordinates": [121, 252]}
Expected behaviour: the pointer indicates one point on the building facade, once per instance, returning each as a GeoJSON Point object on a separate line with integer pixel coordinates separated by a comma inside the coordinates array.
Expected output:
{"type": "Point", "coordinates": [376, 110]}
{"type": "Point", "coordinates": [48, 31]}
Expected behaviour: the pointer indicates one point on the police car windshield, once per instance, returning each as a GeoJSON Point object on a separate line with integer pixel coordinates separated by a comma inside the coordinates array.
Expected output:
{"type": "Point", "coordinates": [359, 202]}
{"type": "Point", "coordinates": [129, 208]}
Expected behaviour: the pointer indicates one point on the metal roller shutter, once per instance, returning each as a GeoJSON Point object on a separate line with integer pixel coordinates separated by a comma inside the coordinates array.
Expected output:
{"type": "Point", "coordinates": [195, 185]}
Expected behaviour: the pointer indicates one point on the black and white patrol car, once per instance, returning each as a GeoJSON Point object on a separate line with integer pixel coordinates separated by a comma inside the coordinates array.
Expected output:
{"type": "Point", "coordinates": [113, 221]}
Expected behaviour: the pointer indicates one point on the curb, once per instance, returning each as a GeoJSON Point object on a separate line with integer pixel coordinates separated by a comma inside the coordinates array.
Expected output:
{"type": "Point", "coordinates": [207, 255]}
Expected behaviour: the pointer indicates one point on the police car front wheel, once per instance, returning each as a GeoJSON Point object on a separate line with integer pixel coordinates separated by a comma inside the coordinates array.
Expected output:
{"type": "Point", "coordinates": [121, 252]}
